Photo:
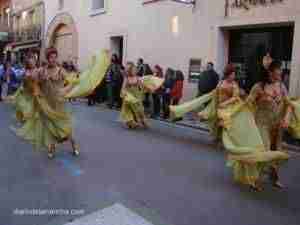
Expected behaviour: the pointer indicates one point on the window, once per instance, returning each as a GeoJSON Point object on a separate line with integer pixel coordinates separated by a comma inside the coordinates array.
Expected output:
{"type": "Point", "coordinates": [175, 25]}
{"type": "Point", "coordinates": [31, 18]}
{"type": "Point", "coordinates": [97, 7]}
{"type": "Point", "coordinates": [6, 16]}
{"type": "Point", "coordinates": [61, 4]}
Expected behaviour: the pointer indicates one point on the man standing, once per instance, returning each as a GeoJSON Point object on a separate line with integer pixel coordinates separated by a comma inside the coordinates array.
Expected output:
{"type": "Point", "coordinates": [144, 69]}
{"type": "Point", "coordinates": [114, 80]}
{"type": "Point", "coordinates": [167, 87]}
{"type": "Point", "coordinates": [208, 80]}
{"type": "Point", "coordinates": [2, 78]}
{"type": "Point", "coordinates": [141, 68]}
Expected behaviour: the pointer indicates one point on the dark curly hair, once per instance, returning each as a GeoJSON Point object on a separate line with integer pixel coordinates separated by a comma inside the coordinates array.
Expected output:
{"type": "Point", "coordinates": [229, 69]}
{"type": "Point", "coordinates": [266, 79]}
{"type": "Point", "coordinates": [50, 51]}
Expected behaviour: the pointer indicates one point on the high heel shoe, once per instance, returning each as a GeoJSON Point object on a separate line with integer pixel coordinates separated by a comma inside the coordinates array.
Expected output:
{"type": "Point", "coordinates": [76, 151]}
{"type": "Point", "coordinates": [256, 188]}
{"type": "Point", "coordinates": [51, 151]}
{"type": "Point", "coordinates": [278, 185]}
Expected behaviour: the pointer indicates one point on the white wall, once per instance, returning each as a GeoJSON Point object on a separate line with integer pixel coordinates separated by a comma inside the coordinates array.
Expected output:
{"type": "Point", "coordinates": [147, 30]}
{"type": "Point", "coordinates": [148, 33]}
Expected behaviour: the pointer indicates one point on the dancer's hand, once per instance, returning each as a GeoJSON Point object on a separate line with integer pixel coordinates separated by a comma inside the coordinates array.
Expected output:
{"type": "Point", "coordinates": [284, 123]}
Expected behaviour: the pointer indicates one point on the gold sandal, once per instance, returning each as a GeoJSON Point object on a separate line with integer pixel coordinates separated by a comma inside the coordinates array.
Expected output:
{"type": "Point", "coordinates": [76, 150]}
{"type": "Point", "coordinates": [51, 151]}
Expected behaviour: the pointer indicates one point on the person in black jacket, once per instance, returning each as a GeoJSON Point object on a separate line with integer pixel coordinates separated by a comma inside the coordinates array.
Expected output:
{"type": "Point", "coordinates": [114, 81]}
{"type": "Point", "coordinates": [208, 80]}
{"type": "Point", "coordinates": [167, 87]}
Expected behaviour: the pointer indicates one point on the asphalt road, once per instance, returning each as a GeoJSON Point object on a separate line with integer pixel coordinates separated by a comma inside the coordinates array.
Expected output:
{"type": "Point", "coordinates": [168, 174]}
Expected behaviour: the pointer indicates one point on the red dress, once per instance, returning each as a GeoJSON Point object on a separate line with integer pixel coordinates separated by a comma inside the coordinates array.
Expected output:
{"type": "Point", "coordinates": [177, 90]}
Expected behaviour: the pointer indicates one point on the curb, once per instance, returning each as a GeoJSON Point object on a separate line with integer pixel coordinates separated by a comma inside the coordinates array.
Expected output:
{"type": "Point", "coordinates": [290, 147]}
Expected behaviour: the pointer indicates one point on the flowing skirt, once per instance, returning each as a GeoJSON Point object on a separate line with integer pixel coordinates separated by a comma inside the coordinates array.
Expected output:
{"type": "Point", "coordinates": [246, 153]}
{"type": "Point", "coordinates": [46, 125]}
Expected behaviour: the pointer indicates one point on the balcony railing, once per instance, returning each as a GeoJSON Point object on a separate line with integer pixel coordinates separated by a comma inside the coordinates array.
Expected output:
{"type": "Point", "coordinates": [32, 33]}
{"type": "Point", "coordinates": [4, 27]}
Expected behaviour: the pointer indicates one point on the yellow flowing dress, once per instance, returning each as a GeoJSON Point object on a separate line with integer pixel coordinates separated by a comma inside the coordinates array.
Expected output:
{"type": "Point", "coordinates": [50, 123]}
{"type": "Point", "coordinates": [23, 101]}
{"type": "Point", "coordinates": [132, 108]}
{"type": "Point", "coordinates": [246, 153]}
{"type": "Point", "coordinates": [133, 95]}
{"type": "Point", "coordinates": [40, 102]}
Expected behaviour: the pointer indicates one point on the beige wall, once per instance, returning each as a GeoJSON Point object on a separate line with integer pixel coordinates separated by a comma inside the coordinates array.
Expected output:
{"type": "Point", "coordinates": [33, 18]}
{"type": "Point", "coordinates": [22, 4]}
{"type": "Point", "coordinates": [148, 32]}
{"type": "Point", "coordinates": [4, 19]}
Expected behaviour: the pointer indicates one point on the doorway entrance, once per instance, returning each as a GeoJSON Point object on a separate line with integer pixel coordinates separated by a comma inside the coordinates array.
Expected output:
{"type": "Point", "coordinates": [117, 46]}
{"type": "Point", "coordinates": [62, 40]}
{"type": "Point", "coordinates": [248, 47]}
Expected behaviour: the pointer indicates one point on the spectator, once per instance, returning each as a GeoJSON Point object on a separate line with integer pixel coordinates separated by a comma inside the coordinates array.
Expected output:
{"type": "Point", "coordinates": [177, 90]}
{"type": "Point", "coordinates": [144, 69]}
{"type": "Point", "coordinates": [1, 78]}
{"type": "Point", "coordinates": [167, 87]}
{"type": "Point", "coordinates": [156, 97]}
{"type": "Point", "coordinates": [286, 78]}
{"type": "Point", "coordinates": [72, 66]}
{"type": "Point", "coordinates": [141, 70]}
{"type": "Point", "coordinates": [147, 102]}
{"type": "Point", "coordinates": [11, 79]}
{"type": "Point", "coordinates": [208, 80]}
{"type": "Point", "coordinates": [114, 81]}
{"type": "Point", "coordinates": [65, 66]}
{"type": "Point", "coordinates": [19, 72]}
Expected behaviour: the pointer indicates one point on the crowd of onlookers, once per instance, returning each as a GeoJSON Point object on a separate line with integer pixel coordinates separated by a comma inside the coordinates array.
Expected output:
{"type": "Point", "coordinates": [109, 91]}
{"type": "Point", "coordinates": [156, 104]}
{"type": "Point", "coordinates": [11, 76]}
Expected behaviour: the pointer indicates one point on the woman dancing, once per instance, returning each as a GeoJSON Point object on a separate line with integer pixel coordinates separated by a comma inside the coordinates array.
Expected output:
{"type": "Point", "coordinates": [132, 111]}
{"type": "Point", "coordinates": [49, 123]}
{"type": "Point", "coordinates": [272, 112]}
{"type": "Point", "coordinates": [22, 99]}
{"type": "Point", "coordinates": [233, 120]}
{"type": "Point", "coordinates": [133, 92]}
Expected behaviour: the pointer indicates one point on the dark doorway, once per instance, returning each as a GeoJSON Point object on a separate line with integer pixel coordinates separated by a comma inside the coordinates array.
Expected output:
{"type": "Point", "coordinates": [247, 48]}
{"type": "Point", "coordinates": [117, 45]}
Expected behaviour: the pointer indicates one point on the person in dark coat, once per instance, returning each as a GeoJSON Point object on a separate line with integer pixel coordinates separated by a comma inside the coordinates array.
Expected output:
{"type": "Point", "coordinates": [167, 87]}
{"type": "Point", "coordinates": [114, 81]}
{"type": "Point", "coordinates": [156, 96]}
{"type": "Point", "coordinates": [208, 80]}
{"type": "Point", "coordinates": [141, 67]}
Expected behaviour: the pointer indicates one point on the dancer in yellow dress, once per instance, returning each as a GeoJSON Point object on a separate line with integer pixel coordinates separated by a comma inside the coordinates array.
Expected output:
{"type": "Point", "coordinates": [22, 99]}
{"type": "Point", "coordinates": [233, 120]}
{"type": "Point", "coordinates": [269, 101]}
{"type": "Point", "coordinates": [132, 93]}
{"type": "Point", "coordinates": [132, 111]}
{"type": "Point", "coordinates": [50, 123]}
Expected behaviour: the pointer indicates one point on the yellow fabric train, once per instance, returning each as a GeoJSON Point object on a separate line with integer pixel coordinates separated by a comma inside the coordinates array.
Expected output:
{"type": "Point", "coordinates": [91, 78]}
{"type": "Point", "coordinates": [46, 120]}
{"type": "Point", "coordinates": [247, 155]}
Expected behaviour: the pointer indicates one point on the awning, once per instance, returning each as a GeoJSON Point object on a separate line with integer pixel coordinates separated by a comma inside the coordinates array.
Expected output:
{"type": "Point", "coordinates": [3, 36]}
{"type": "Point", "coordinates": [26, 46]}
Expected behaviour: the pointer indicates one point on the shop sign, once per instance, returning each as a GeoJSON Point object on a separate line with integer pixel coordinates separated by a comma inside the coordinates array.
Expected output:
{"type": "Point", "coordinates": [247, 4]}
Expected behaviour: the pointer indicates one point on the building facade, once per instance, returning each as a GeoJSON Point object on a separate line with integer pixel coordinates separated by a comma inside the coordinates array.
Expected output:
{"type": "Point", "coordinates": [5, 26]}
{"type": "Point", "coordinates": [179, 35]}
{"type": "Point", "coordinates": [28, 25]}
